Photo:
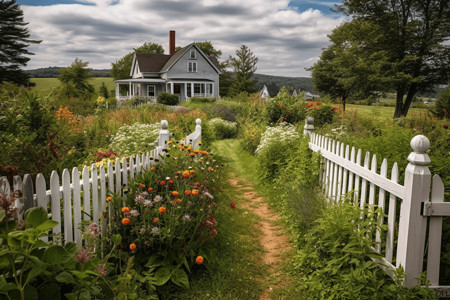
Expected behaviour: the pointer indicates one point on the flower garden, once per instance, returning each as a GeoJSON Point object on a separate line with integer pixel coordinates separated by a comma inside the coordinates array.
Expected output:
{"type": "Point", "coordinates": [179, 231]}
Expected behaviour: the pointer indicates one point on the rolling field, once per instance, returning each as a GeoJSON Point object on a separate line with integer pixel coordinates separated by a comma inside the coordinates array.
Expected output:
{"type": "Point", "coordinates": [45, 85]}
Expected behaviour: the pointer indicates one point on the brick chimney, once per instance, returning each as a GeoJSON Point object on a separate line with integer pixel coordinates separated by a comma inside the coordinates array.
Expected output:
{"type": "Point", "coordinates": [171, 42]}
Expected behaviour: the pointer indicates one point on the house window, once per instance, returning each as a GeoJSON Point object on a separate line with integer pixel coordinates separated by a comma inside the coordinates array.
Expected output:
{"type": "Point", "coordinates": [151, 91]}
{"type": "Point", "coordinates": [192, 66]}
{"type": "Point", "coordinates": [197, 88]}
{"type": "Point", "coordinates": [188, 89]}
{"type": "Point", "coordinates": [193, 54]}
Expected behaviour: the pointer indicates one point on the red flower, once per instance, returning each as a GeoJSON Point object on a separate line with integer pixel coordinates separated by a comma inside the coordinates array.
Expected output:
{"type": "Point", "coordinates": [232, 205]}
{"type": "Point", "coordinates": [445, 126]}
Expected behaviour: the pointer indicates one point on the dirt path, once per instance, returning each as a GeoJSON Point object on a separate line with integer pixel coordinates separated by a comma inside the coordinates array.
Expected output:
{"type": "Point", "coordinates": [272, 239]}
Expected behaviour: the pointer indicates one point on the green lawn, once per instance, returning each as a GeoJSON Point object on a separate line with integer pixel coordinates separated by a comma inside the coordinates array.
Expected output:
{"type": "Point", "coordinates": [379, 112]}
{"type": "Point", "coordinates": [45, 85]}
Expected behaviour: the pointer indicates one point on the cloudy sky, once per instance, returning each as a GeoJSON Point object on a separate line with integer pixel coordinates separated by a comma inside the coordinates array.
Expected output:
{"type": "Point", "coordinates": [286, 36]}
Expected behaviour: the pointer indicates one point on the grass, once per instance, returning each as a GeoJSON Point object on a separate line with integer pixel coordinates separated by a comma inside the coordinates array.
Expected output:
{"type": "Point", "coordinates": [44, 86]}
{"type": "Point", "coordinates": [378, 112]}
{"type": "Point", "coordinates": [234, 269]}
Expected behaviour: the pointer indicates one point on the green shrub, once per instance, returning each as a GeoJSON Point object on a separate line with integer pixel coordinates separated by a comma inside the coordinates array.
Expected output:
{"type": "Point", "coordinates": [202, 100]}
{"type": "Point", "coordinates": [272, 152]}
{"type": "Point", "coordinates": [322, 113]}
{"type": "Point", "coordinates": [222, 129]}
{"type": "Point", "coordinates": [285, 108]}
{"type": "Point", "coordinates": [334, 261]}
{"type": "Point", "coordinates": [250, 135]}
{"type": "Point", "coordinates": [442, 108]}
{"type": "Point", "coordinates": [167, 99]}
{"type": "Point", "coordinates": [133, 139]}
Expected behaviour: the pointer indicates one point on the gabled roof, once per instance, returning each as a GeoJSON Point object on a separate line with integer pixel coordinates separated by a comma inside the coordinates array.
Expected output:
{"type": "Point", "coordinates": [158, 63]}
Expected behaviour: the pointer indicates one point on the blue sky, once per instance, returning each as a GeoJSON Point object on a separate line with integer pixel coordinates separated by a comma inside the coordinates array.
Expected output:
{"type": "Point", "coordinates": [286, 35]}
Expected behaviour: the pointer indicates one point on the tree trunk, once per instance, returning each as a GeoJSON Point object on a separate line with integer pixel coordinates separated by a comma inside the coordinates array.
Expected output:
{"type": "Point", "coordinates": [409, 97]}
{"type": "Point", "coordinates": [399, 103]}
{"type": "Point", "coordinates": [343, 102]}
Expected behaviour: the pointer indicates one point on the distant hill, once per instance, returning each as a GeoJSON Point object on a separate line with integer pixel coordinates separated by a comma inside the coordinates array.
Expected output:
{"type": "Point", "coordinates": [275, 83]}
{"type": "Point", "coordinates": [53, 72]}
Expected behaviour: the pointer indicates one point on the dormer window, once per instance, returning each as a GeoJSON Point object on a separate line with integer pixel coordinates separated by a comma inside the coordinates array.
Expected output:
{"type": "Point", "coordinates": [192, 66]}
{"type": "Point", "coordinates": [193, 54]}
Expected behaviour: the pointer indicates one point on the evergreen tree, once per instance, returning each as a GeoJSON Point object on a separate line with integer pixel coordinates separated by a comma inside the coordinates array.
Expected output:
{"type": "Point", "coordinates": [244, 65]}
{"type": "Point", "coordinates": [103, 90]}
{"type": "Point", "coordinates": [14, 41]}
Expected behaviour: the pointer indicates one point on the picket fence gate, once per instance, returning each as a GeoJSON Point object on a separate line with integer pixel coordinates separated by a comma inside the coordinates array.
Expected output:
{"type": "Point", "coordinates": [86, 195]}
{"type": "Point", "coordinates": [343, 174]}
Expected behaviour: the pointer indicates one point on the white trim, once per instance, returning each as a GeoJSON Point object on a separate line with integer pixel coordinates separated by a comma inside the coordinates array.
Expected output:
{"type": "Point", "coordinates": [192, 67]}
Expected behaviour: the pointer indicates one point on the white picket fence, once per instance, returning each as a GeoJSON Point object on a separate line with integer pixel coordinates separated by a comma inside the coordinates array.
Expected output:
{"type": "Point", "coordinates": [84, 197]}
{"type": "Point", "coordinates": [343, 173]}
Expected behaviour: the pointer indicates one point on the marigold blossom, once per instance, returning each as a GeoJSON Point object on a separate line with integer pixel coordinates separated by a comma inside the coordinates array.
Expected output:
{"type": "Point", "coordinates": [162, 182]}
{"type": "Point", "coordinates": [142, 185]}
{"type": "Point", "coordinates": [125, 221]}
{"type": "Point", "coordinates": [187, 192]}
{"type": "Point", "coordinates": [178, 200]}
{"type": "Point", "coordinates": [155, 220]}
{"type": "Point", "coordinates": [125, 210]}
{"type": "Point", "coordinates": [195, 192]}
{"type": "Point", "coordinates": [109, 199]}
{"type": "Point", "coordinates": [199, 260]}
{"type": "Point", "coordinates": [132, 246]}
{"type": "Point", "coordinates": [162, 210]}
{"type": "Point", "coordinates": [175, 193]}
{"type": "Point", "coordinates": [150, 189]}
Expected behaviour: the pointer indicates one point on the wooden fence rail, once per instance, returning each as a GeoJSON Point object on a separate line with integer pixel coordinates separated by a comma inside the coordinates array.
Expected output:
{"type": "Point", "coordinates": [84, 197]}
{"type": "Point", "coordinates": [403, 244]}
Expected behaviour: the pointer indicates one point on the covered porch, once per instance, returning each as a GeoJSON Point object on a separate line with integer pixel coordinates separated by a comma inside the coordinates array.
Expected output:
{"type": "Point", "coordinates": [139, 87]}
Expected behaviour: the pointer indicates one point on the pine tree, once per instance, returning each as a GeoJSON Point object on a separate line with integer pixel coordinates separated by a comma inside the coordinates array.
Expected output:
{"type": "Point", "coordinates": [244, 65]}
{"type": "Point", "coordinates": [14, 41]}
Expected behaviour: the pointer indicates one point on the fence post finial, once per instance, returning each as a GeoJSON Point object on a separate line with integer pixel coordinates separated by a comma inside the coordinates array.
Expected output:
{"type": "Point", "coordinates": [164, 135]}
{"type": "Point", "coordinates": [309, 126]}
{"type": "Point", "coordinates": [412, 225]}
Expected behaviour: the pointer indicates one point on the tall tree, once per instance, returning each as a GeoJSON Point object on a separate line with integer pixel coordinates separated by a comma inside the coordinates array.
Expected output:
{"type": "Point", "coordinates": [75, 80]}
{"type": "Point", "coordinates": [413, 34]}
{"type": "Point", "coordinates": [122, 67]}
{"type": "Point", "coordinates": [345, 68]}
{"type": "Point", "coordinates": [14, 41]}
{"type": "Point", "coordinates": [244, 66]}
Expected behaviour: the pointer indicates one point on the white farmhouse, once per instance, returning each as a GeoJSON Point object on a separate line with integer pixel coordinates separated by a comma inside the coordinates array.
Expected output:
{"type": "Point", "coordinates": [187, 73]}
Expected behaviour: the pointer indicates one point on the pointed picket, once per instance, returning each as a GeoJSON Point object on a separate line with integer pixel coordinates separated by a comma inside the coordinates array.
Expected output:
{"type": "Point", "coordinates": [110, 178]}
{"type": "Point", "coordinates": [76, 206]}
{"type": "Point", "coordinates": [339, 183]}
{"type": "Point", "coordinates": [364, 182]}
{"type": "Point", "coordinates": [67, 204]}
{"type": "Point", "coordinates": [381, 205]}
{"type": "Point", "coordinates": [390, 235]}
{"type": "Point", "coordinates": [372, 185]}
{"type": "Point", "coordinates": [138, 164]}
{"type": "Point", "coordinates": [95, 200]}
{"type": "Point", "coordinates": [103, 197]}
{"type": "Point", "coordinates": [345, 171]}
{"type": "Point", "coordinates": [55, 201]}
{"type": "Point", "coordinates": [351, 174]}
{"type": "Point", "coordinates": [435, 234]}
{"type": "Point", "coordinates": [132, 168]}
{"type": "Point", "coordinates": [28, 192]}
{"type": "Point", "coordinates": [18, 193]}
{"type": "Point", "coordinates": [124, 174]}
{"type": "Point", "coordinates": [335, 173]}
{"type": "Point", "coordinates": [41, 191]}
{"type": "Point", "coordinates": [86, 194]}
{"type": "Point", "coordinates": [356, 189]}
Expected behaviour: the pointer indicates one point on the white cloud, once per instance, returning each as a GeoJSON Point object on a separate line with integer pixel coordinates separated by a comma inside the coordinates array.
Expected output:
{"type": "Point", "coordinates": [284, 40]}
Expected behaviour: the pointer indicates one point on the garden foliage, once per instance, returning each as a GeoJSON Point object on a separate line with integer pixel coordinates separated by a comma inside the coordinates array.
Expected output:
{"type": "Point", "coordinates": [285, 108]}
{"type": "Point", "coordinates": [167, 99]}
{"type": "Point", "coordinates": [222, 129]}
{"type": "Point", "coordinates": [135, 138]}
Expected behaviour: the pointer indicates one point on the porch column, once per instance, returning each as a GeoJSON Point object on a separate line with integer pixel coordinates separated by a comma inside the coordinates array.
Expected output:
{"type": "Point", "coordinates": [117, 91]}
{"type": "Point", "coordinates": [130, 91]}
{"type": "Point", "coordinates": [192, 89]}
{"type": "Point", "coordinates": [171, 87]}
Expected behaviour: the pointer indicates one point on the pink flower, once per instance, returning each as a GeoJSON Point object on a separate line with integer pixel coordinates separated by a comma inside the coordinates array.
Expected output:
{"type": "Point", "coordinates": [83, 255]}
{"type": "Point", "coordinates": [101, 269]}
{"type": "Point", "coordinates": [94, 229]}
{"type": "Point", "coordinates": [142, 230]}
{"type": "Point", "coordinates": [134, 213]}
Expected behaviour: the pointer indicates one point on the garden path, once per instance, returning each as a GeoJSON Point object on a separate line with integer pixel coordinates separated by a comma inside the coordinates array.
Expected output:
{"type": "Point", "coordinates": [272, 237]}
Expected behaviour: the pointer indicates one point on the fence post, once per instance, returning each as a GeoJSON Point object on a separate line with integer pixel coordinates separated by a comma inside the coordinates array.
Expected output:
{"type": "Point", "coordinates": [309, 126]}
{"type": "Point", "coordinates": [164, 135]}
{"type": "Point", "coordinates": [412, 225]}
{"type": "Point", "coordinates": [198, 129]}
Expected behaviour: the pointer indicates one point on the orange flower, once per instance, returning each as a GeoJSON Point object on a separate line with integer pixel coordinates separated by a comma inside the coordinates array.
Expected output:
{"type": "Point", "coordinates": [155, 220]}
{"type": "Point", "coordinates": [199, 260]}
{"type": "Point", "coordinates": [125, 210]}
{"type": "Point", "coordinates": [192, 171]}
{"type": "Point", "coordinates": [132, 246]}
{"type": "Point", "coordinates": [150, 189]}
{"type": "Point", "coordinates": [109, 199]}
{"type": "Point", "coordinates": [152, 169]}
{"type": "Point", "coordinates": [162, 210]}
{"type": "Point", "coordinates": [187, 192]}
{"type": "Point", "coordinates": [175, 193]}
{"type": "Point", "coordinates": [196, 151]}
{"type": "Point", "coordinates": [192, 154]}
{"type": "Point", "coordinates": [170, 142]}
{"type": "Point", "coordinates": [194, 192]}
{"type": "Point", "coordinates": [170, 181]}
{"type": "Point", "coordinates": [186, 174]}
{"type": "Point", "coordinates": [142, 185]}
{"type": "Point", "coordinates": [178, 200]}
{"type": "Point", "coordinates": [198, 183]}
{"type": "Point", "coordinates": [162, 182]}
{"type": "Point", "coordinates": [125, 221]}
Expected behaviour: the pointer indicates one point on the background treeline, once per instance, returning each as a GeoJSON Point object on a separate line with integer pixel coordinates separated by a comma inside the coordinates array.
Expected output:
{"type": "Point", "coordinates": [53, 72]}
